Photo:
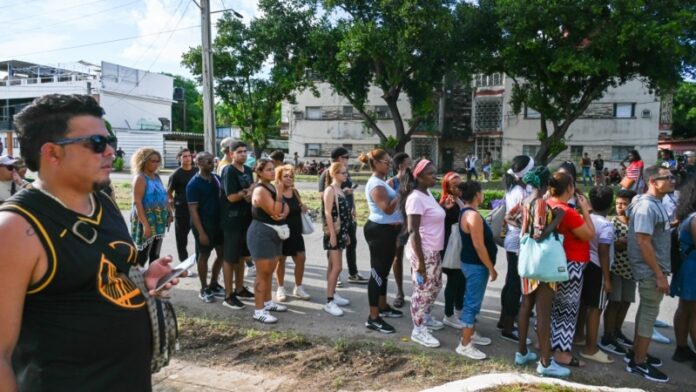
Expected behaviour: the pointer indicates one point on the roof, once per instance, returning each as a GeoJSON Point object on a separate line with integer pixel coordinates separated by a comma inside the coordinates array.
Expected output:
{"type": "Point", "coordinates": [36, 69]}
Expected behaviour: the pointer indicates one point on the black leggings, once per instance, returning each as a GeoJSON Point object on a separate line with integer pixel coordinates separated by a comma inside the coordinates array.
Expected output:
{"type": "Point", "coordinates": [381, 239]}
{"type": "Point", "coordinates": [512, 291]}
{"type": "Point", "coordinates": [151, 252]}
{"type": "Point", "coordinates": [454, 290]}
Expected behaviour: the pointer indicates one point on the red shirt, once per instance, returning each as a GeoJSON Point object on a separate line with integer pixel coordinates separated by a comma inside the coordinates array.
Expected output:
{"type": "Point", "coordinates": [576, 249]}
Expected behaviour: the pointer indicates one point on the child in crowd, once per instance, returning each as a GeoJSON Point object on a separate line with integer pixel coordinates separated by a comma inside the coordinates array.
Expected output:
{"type": "Point", "coordinates": [597, 282]}
{"type": "Point", "coordinates": [623, 291]}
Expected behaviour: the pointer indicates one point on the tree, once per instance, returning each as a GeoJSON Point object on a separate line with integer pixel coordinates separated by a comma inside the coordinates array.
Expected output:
{"type": "Point", "coordinates": [401, 47]}
{"type": "Point", "coordinates": [684, 111]}
{"type": "Point", "coordinates": [564, 54]}
{"type": "Point", "coordinates": [194, 106]}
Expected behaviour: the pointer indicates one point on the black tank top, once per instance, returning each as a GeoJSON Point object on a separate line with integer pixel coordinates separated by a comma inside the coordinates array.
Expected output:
{"type": "Point", "coordinates": [260, 215]}
{"type": "Point", "coordinates": [85, 326]}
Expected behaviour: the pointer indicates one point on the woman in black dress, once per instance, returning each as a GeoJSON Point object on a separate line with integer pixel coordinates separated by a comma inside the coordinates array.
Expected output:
{"type": "Point", "coordinates": [294, 246]}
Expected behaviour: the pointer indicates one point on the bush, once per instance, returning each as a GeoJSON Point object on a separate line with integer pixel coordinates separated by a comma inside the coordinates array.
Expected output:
{"type": "Point", "coordinates": [488, 196]}
{"type": "Point", "coordinates": [118, 164]}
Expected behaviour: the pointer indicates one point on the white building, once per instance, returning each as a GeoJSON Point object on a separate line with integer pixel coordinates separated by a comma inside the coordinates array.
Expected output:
{"type": "Point", "coordinates": [137, 103]}
{"type": "Point", "coordinates": [625, 118]}
{"type": "Point", "coordinates": [316, 125]}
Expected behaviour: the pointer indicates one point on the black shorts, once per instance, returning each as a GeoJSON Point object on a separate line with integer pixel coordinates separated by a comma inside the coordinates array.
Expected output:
{"type": "Point", "coordinates": [235, 245]}
{"type": "Point", "coordinates": [593, 294]}
{"type": "Point", "coordinates": [215, 238]}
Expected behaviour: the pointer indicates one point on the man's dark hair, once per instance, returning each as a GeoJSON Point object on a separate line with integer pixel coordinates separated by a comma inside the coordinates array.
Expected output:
{"type": "Point", "coordinates": [601, 198]}
{"type": "Point", "coordinates": [181, 152]}
{"type": "Point", "coordinates": [338, 152]}
{"type": "Point", "coordinates": [469, 189]}
{"type": "Point", "coordinates": [399, 158]}
{"type": "Point", "coordinates": [652, 171]}
{"type": "Point", "coordinates": [46, 120]}
{"type": "Point", "coordinates": [234, 146]}
{"type": "Point", "coordinates": [278, 155]}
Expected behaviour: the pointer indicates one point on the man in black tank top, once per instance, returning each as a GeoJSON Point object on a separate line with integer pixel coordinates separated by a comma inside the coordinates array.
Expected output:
{"type": "Point", "coordinates": [71, 320]}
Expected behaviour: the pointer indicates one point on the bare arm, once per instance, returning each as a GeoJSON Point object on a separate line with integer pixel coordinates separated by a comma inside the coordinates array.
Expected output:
{"type": "Point", "coordinates": [329, 195]}
{"type": "Point", "coordinates": [274, 207]}
{"type": "Point", "coordinates": [474, 223]}
{"type": "Point", "coordinates": [381, 199]}
{"type": "Point", "coordinates": [239, 196]}
{"type": "Point", "coordinates": [585, 232]}
{"type": "Point", "coordinates": [22, 264]}
{"type": "Point", "coordinates": [603, 252]}
{"type": "Point", "coordinates": [138, 193]}
{"type": "Point", "coordinates": [196, 220]}
{"type": "Point", "coordinates": [414, 236]}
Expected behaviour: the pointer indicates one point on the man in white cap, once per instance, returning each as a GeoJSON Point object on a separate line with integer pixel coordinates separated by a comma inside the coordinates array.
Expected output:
{"type": "Point", "coordinates": [10, 181]}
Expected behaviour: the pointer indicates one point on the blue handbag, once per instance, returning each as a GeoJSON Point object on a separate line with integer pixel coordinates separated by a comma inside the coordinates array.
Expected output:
{"type": "Point", "coordinates": [544, 261]}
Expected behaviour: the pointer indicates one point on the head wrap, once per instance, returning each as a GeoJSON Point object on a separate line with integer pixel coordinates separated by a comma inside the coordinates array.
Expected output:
{"type": "Point", "coordinates": [420, 166]}
{"type": "Point", "coordinates": [524, 171]}
{"type": "Point", "coordinates": [536, 176]}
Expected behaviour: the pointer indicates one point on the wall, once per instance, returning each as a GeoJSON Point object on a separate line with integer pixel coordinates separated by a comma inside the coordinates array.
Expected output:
{"type": "Point", "coordinates": [131, 112]}
{"type": "Point", "coordinates": [130, 141]}
{"type": "Point", "coordinates": [597, 135]}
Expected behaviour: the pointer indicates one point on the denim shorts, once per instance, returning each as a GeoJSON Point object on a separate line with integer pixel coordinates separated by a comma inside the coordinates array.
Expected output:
{"type": "Point", "coordinates": [476, 281]}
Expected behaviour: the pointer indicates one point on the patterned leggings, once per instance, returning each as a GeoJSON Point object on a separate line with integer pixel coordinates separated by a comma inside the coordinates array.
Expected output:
{"type": "Point", "coordinates": [424, 295]}
{"type": "Point", "coordinates": [564, 312]}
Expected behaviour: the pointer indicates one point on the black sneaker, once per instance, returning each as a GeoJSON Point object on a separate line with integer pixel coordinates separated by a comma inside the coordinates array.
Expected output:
{"type": "Point", "coordinates": [621, 338]}
{"type": "Point", "coordinates": [217, 290]}
{"type": "Point", "coordinates": [206, 295]}
{"type": "Point", "coordinates": [357, 279]}
{"type": "Point", "coordinates": [610, 345]}
{"type": "Point", "coordinates": [652, 361]}
{"type": "Point", "coordinates": [233, 302]}
{"type": "Point", "coordinates": [379, 325]}
{"type": "Point", "coordinates": [684, 354]}
{"type": "Point", "coordinates": [245, 293]}
{"type": "Point", "coordinates": [647, 371]}
{"type": "Point", "coordinates": [390, 312]}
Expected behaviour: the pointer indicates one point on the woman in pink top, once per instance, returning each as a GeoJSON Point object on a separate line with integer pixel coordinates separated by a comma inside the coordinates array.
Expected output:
{"type": "Point", "coordinates": [426, 230]}
{"type": "Point", "coordinates": [634, 173]}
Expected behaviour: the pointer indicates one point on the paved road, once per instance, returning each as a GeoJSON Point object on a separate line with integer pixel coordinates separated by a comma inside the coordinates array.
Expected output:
{"type": "Point", "coordinates": [309, 318]}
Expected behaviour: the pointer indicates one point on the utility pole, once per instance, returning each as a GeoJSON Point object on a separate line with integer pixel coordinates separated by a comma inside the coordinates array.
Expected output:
{"type": "Point", "coordinates": [208, 100]}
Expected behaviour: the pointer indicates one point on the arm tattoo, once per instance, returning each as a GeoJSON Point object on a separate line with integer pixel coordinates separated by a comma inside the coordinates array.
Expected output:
{"type": "Point", "coordinates": [30, 232]}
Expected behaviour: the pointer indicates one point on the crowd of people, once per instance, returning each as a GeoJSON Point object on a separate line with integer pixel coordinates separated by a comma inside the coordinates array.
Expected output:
{"type": "Point", "coordinates": [575, 259]}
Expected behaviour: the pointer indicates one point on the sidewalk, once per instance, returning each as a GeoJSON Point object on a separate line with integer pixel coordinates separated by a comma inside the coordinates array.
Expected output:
{"type": "Point", "coordinates": [308, 318]}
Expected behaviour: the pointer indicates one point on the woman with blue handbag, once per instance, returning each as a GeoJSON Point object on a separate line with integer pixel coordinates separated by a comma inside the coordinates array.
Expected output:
{"type": "Point", "coordinates": [538, 224]}
{"type": "Point", "coordinates": [577, 231]}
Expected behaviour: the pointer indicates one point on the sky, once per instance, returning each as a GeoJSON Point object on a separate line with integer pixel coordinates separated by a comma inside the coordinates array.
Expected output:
{"type": "Point", "coordinates": [58, 32]}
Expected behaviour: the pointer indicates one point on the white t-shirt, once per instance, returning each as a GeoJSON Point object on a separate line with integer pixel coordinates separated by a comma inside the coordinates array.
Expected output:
{"type": "Point", "coordinates": [432, 223]}
{"type": "Point", "coordinates": [5, 190]}
{"type": "Point", "coordinates": [513, 198]}
{"type": "Point", "coordinates": [604, 234]}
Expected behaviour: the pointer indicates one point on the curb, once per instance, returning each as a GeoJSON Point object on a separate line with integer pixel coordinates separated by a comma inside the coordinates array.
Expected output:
{"type": "Point", "coordinates": [487, 381]}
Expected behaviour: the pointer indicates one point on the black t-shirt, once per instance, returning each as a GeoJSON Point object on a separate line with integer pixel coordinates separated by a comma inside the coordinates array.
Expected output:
{"type": "Point", "coordinates": [177, 182]}
{"type": "Point", "coordinates": [347, 184]}
{"type": "Point", "coordinates": [237, 215]}
{"type": "Point", "coordinates": [206, 194]}
{"type": "Point", "coordinates": [599, 164]}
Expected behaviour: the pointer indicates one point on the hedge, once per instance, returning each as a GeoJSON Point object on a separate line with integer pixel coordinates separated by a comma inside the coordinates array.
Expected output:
{"type": "Point", "coordinates": [489, 195]}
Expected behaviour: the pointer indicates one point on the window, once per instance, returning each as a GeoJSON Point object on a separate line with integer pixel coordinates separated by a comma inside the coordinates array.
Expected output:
{"type": "Point", "coordinates": [382, 112]}
{"type": "Point", "coordinates": [530, 150]}
{"type": "Point", "coordinates": [531, 113]}
{"type": "Point", "coordinates": [222, 133]}
{"type": "Point", "coordinates": [347, 112]}
{"type": "Point", "coordinates": [489, 114]}
{"type": "Point", "coordinates": [482, 80]}
{"type": "Point", "coordinates": [492, 144]}
{"type": "Point", "coordinates": [624, 110]}
{"type": "Point", "coordinates": [576, 153]}
{"type": "Point", "coordinates": [422, 148]}
{"type": "Point", "coordinates": [312, 149]}
{"type": "Point", "coordinates": [314, 113]}
{"type": "Point", "coordinates": [618, 153]}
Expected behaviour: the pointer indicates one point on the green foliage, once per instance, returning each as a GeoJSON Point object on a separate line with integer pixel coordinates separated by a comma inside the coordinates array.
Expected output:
{"type": "Point", "coordinates": [390, 144]}
{"type": "Point", "coordinates": [194, 106]}
{"type": "Point", "coordinates": [564, 54]}
{"type": "Point", "coordinates": [684, 110]}
{"type": "Point", "coordinates": [118, 164]}
{"type": "Point", "coordinates": [489, 195]}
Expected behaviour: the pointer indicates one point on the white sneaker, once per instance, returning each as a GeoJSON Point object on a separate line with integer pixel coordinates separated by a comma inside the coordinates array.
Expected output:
{"type": "Point", "coordinates": [271, 306]}
{"type": "Point", "coordinates": [452, 321]}
{"type": "Point", "coordinates": [433, 325]}
{"type": "Point", "coordinates": [333, 309]}
{"type": "Point", "coordinates": [280, 294]}
{"type": "Point", "coordinates": [300, 293]}
{"type": "Point", "coordinates": [470, 351]}
{"type": "Point", "coordinates": [480, 340]}
{"type": "Point", "coordinates": [421, 336]}
{"type": "Point", "coordinates": [250, 272]}
{"type": "Point", "coordinates": [340, 301]}
{"type": "Point", "coordinates": [265, 317]}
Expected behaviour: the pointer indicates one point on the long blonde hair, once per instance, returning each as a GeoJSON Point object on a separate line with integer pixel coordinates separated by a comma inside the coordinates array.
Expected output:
{"type": "Point", "coordinates": [140, 157]}
{"type": "Point", "coordinates": [334, 169]}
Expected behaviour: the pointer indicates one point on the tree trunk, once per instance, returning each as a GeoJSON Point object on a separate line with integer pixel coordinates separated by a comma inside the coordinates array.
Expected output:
{"type": "Point", "coordinates": [401, 135]}
{"type": "Point", "coordinates": [553, 144]}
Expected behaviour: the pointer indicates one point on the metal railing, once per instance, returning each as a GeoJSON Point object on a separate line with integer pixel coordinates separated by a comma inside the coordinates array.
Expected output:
{"type": "Point", "coordinates": [45, 79]}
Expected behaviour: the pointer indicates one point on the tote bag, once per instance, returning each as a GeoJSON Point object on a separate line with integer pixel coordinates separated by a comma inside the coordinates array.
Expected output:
{"type": "Point", "coordinates": [544, 261]}
{"type": "Point", "coordinates": [496, 221]}
{"type": "Point", "coordinates": [307, 224]}
{"type": "Point", "coordinates": [453, 253]}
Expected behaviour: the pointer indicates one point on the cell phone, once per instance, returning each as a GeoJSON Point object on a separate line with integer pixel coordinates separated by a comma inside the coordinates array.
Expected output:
{"type": "Point", "coordinates": [176, 272]}
{"type": "Point", "coordinates": [355, 186]}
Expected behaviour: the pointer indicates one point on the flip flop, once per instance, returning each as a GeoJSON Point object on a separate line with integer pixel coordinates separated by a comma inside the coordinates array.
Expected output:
{"type": "Point", "coordinates": [599, 356]}
{"type": "Point", "coordinates": [574, 362]}
{"type": "Point", "coordinates": [398, 301]}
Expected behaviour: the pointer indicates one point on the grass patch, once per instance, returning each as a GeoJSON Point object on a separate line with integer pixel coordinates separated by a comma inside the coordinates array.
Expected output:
{"type": "Point", "coordinates": [124, 194]}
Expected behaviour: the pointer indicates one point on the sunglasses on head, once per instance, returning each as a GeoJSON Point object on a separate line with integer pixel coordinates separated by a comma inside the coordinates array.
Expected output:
{"type": "Point", "coordinates": [96, 143]}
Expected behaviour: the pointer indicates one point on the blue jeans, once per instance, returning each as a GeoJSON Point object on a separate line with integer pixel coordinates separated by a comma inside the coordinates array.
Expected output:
{"type": "Point", "coordinates": [476, 281]}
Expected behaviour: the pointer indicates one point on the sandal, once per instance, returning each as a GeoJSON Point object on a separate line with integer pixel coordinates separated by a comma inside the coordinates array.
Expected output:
{"type": "Point", "coordinates": [399, 301]}
{"type": "Point", "coordinates": [574, 362]}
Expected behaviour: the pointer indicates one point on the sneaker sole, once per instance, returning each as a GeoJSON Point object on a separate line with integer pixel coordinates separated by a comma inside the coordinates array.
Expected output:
{"type": "Point", "coordinates": [610, 350]}
{"type": "Point", "coordinates": [233, 307]}
{"type": "Point", "coordinates": [541, 374]}
{"type": "Point", "coordinates": [276, 310]}
{"type": "Point", "coordinates": [438, 328]}
{"type": "Point", "coordinates": [302, 298]}
{"type": "Point", "coordinates": [657, 365]}
{"type": "Point", "coordinates": [474, 358]}
{"type": "Point", "coordinates": [335, 315]}
{"type": "Point", "coordinates": [645, 376]}
{"type": "Point", "coordinates": [264, 321]}
{"type": "Point", "coordinates": [453, 325]}
{"type": "Point", "coordinates": [422, 343]}
{"type": "Point", "coordinates": [369, 326]}
{"type": "Point", "coordinates": [391, 315]}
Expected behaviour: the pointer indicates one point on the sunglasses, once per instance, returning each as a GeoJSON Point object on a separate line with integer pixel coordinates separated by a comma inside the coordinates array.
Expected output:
{"type": "Point", "coordinates": [667, 177]}
{"type": "Point", "coordinates": [97, 143]}
{"type": "Point", "coordinates": [9, 167]}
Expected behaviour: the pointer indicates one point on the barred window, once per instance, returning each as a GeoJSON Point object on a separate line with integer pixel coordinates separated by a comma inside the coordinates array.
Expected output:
{"type": "Point", "coordinates": [489, 114]}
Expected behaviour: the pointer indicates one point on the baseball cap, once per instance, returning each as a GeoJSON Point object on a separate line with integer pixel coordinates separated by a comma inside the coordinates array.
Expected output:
{"type": "Point", "coordinates": [7, 160]}
{"type": "Point", "coordinates": [338, 152]}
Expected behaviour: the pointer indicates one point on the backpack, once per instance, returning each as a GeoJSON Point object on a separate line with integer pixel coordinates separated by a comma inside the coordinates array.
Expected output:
{"type": "Point", "coordinates": [496, 221]}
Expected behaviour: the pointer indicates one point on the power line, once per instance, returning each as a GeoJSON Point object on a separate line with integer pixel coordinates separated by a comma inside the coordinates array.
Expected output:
{"type": "Point", "coordinates": [105, 42]}
{"type": "Point", "coordinates": [158, 34]}
{"type": "Point", "coordinates": [14, 4]}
